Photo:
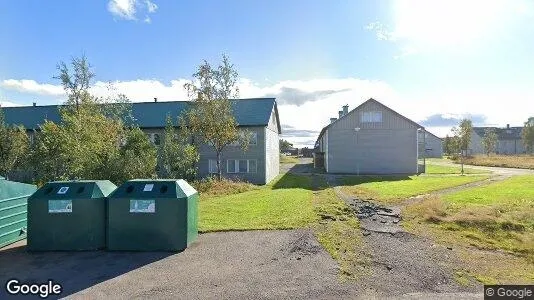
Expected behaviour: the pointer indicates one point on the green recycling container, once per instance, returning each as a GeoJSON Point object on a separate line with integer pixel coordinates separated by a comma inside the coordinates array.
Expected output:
{"type": "Point", "coordinates": [13, 210]}
{"type": "Point", "coordinates": [152, 215]}
{"type": "Point", "coordinates": [68, 216]}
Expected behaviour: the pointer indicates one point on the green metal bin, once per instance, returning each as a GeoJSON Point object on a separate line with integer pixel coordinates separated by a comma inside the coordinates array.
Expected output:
{"type": "Point", "coordinates": [13, 210]}
{"type": "Point", "coordinates": [152, 215]}
{"type": "Point", "coordinates": [68, 216]}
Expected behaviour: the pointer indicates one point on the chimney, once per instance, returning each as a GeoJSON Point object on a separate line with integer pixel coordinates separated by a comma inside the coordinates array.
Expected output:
{"type": "Point", "coordinates": [345, 109]}
{"type": "Point", "coordinates": [34, 104]}
{"type": "Point", "coordinates": [340, 113]}
{"type": "Point", "coordinates": [155, 99]}
{"type": "Point", "coordinates": [507, 126]}
{"type": "Point", "coordinates": [332, 120]}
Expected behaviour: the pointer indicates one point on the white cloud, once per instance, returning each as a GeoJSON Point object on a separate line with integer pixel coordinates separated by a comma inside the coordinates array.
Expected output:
{"type": "Point", "coordinates": [32, 87]}
{"type": "Point", "coordinates": [151, 6]}
{"type": "Point", "coordinates": [129, 9]}
{"type": "Point", "coordinates": [422, 25]}
{"type": "Point", "coordinates": [382, 33]}
{"type": "Point", "coordinates": [124, 9]}
{"type": "Point", "coordinates": [8, 104]}
{"type": "Point", "coordinates": [306, 106]}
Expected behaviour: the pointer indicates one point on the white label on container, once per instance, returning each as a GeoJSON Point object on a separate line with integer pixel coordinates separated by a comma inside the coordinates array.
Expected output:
{"type": "Point", "coordinates": [148, 187]}
{"type": "Point", "coordinates": [143, 206]}
{"type": "Point", "coordinates": [59, 206]}
{"type": "Point", "coordinates": [63, 190]}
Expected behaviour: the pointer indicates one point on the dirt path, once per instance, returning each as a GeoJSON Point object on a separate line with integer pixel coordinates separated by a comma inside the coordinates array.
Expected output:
{"type": "Point", "coordinates": [404, 265]}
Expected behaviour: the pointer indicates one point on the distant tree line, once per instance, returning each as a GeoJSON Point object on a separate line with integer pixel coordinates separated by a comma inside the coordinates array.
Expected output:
{"type": "Point", "coordinates": [97, 137]}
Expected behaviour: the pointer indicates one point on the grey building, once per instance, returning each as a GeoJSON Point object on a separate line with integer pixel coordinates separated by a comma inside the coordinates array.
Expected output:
{"type": "Point", "coordinates": [259, 164]}
{"type": "Point", "coordinates": [434, 145]}
{"type": "Point", "coordinates": [508, 140]}
{"type": "Point", "coordinates": [371, 139]}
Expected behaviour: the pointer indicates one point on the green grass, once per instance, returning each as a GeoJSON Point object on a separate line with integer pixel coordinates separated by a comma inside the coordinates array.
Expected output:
{"type": "Point", "coordinates": [290, 202]}
{"type": "Point", "coordinates": [515, 191]}
{"type": "Point", "coordinates": [438, 169]}
{"type": "Point", "coordinates": [284, 204]}
{"type": "Point", "coordinates": [285, 159]}
{"type": "Point", "coordinates": [390, 189]}
{"type": "Point", "coordinates": [495, 216]}
{"type": "Point", "coordinates": [339, 233]}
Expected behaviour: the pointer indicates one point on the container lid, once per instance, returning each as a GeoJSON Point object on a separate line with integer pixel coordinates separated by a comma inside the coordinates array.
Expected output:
{"type": "Point", "coordinates": [12, 189]}
{"type": "Point", "coordinates": [150, 189]}
{"type": "Point", "coordinates": [76, 189]}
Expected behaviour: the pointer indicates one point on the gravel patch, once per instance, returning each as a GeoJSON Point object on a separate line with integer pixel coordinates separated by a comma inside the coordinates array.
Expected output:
{"type": "Point", "coordinates": [403, 265]}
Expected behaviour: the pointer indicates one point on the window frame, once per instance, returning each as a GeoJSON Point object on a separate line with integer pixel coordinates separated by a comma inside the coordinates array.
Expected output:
{"type": "Point", "coordinates": [236, 163]}
{"type": "Point", "coordinates": [371, 117]}
{"type": "Point", "coordinates": [210, 161]}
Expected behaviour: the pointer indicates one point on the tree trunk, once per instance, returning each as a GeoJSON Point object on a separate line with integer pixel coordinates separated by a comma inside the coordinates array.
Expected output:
{"type": "Point", "coordinates": [219, 172]}
{"type": "Point", "coordinates": [462, 158]}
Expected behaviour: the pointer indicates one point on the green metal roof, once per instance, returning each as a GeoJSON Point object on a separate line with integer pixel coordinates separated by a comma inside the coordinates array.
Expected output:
{"type": "Point", "coordinates": [248, 112]}
{"type": "Point", "coordinates": [11, 189]}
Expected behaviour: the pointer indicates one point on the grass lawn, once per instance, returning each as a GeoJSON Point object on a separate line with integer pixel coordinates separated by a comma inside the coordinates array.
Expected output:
{"type": "Point", "coordinates": [289, 202]}
{"type": "Point", "coordinates": [438, 169]}
{"type": "Point", "coordinates": [285, 203]}
{"type": "Point", "coordinates": [285, 159]}
{"type": "Point", "coordinates": [508, 161]}
{"type": "Point", "coordinates": [390, 189]}
{"type": "Point", "coordinates": [496, 216]}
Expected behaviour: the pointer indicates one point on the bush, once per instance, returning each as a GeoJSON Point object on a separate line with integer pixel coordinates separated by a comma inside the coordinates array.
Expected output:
{"type": "Point", "coordinates": [213, 187]}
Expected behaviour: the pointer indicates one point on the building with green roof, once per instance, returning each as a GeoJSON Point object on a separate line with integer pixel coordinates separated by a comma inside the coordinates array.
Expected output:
{"type": "Point", "coordinates": [259, 164]}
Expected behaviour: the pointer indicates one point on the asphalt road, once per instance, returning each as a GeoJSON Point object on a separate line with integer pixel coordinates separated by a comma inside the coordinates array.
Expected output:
{"type": "Point", "coordinates": [226, 265]}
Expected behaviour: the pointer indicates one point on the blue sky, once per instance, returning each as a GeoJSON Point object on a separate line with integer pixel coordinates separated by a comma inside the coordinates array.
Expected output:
{"type": "Point", "coordinates": [432, 62]}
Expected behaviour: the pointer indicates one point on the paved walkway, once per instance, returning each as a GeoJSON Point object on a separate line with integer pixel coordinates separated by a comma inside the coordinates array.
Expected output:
{"type": "Point", "coordinates": [496, 170]}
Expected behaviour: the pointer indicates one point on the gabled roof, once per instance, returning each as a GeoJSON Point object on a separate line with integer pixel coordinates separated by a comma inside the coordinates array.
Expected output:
{"type": "Point", "coordinates": [433, 135]}
{"type": "Point", "coordinates": [511, 133]}
{"type": "Point", "coordinates": [368, 101]}
{"type": "Point", "coordinates": [248, 112]}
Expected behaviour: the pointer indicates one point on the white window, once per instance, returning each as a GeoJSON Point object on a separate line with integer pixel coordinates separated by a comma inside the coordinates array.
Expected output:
{"type": "Point", "coordinates": [252, 166]}
{"type": "Point", "coordinates": [371, 117]}
{"type": "Point", "coordinates": [241, 166]}
{"type": "Point", "coordinates": [212, 166]}
{"type": "Point", "coordinates": [230, 166]}
{"type": "Point", "coordinates": [254, 139]}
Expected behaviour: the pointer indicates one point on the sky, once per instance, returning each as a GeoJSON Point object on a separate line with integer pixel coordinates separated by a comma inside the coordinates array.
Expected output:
{"type": "Point", "coordinates": [435, 62]}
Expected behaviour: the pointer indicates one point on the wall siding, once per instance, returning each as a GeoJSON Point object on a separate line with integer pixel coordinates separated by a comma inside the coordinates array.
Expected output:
{"type": "Point", "coordinates": [475, 145]}
{"type": "Point", "coordinates": [502, 147]}
{"type": "Point", "coordinates": [256, 152]}
{"type": "Point", "coordinates": [434, 146]}
{"type": "Point", "coordinates": [272, 149]}
{"type": "Point", "coordinates": [387, 147]}
{"type": "Point", "coordinates": [390, 120]}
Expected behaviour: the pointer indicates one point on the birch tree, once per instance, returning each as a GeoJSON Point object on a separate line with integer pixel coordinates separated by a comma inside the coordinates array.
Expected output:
{"type": "Point", "coordinates": [211, 116]}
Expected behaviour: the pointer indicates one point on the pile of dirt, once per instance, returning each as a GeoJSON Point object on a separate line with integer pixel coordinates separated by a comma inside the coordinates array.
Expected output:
{"type": "Point", "coordinates": [305, 244]}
